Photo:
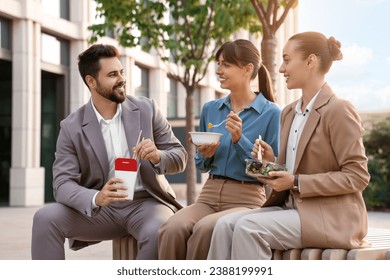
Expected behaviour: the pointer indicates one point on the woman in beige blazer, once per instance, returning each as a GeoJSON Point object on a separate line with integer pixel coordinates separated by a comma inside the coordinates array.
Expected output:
{"type": "Point", "coordinates": [321, 145]}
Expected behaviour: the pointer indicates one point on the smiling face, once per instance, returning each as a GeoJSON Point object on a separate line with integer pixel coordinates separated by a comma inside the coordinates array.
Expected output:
{"type": "Point", "coordinates": [294, 67]}
{"type": "Point", "coordinates": [110, 82]}
{"type": "Point", "coordinates": [230, 75]}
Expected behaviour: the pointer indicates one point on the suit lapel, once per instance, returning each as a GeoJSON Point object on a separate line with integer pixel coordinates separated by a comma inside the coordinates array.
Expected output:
{"type": "Point", "coordinates": [312, 122]}
{"type": "Point", "coordinates": [285, 131]}
{"type": "Point", "coordinates": [278, 198]}
{"type": "Point", "coordinates": [131, 123]}
{"type": "Point", "coordinates": [91, 128]}
{"type": "Point", "coordinates": [308, 130]}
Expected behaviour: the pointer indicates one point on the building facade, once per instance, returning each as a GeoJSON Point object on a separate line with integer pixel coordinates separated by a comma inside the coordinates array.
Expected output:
{"type": "Point", "coordinates": [40, 85]}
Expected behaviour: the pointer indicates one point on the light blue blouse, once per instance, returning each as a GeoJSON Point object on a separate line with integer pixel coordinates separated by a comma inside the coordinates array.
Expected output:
{"type": "Point", "coordinates": [260, 117]}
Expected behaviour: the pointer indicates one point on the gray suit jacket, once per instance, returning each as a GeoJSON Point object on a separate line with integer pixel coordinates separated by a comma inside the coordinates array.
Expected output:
{"type": "Point", "coordinates": [81, 164]}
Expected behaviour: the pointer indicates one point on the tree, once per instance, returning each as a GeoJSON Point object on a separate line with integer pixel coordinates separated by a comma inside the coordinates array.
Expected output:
{"type": "Point", "coordinates": [189, 40]}
{"type": "Point", "coordinates": [377, 144]}
{"type": "Point", "coordinates": [268, 12]}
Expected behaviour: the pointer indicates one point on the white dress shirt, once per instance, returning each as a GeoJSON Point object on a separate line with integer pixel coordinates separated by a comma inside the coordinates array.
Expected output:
{"type": "Point", "coordinates": [296, 129]}
{"type": "Point", "coordinates": [115, 140]}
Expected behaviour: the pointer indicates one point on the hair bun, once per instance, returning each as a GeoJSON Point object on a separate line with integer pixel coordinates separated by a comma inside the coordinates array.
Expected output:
{"type": "Point", "coordinates": [334, 48]}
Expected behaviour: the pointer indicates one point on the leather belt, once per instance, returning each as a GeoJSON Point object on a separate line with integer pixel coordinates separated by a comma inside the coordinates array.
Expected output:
{"type": "Point", "coordinates": [212, 176]}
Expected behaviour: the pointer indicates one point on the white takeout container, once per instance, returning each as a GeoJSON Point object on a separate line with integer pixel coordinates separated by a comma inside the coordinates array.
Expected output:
{"type": "Point", "coordinates": [200, 138]}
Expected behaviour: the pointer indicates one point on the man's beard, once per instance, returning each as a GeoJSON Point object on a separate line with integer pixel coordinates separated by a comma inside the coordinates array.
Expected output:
{"type": "Point", "coordinates": [111, 94]}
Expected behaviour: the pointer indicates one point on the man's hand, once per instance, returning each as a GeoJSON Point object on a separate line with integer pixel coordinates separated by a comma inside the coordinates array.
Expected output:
{"type": "Point", "coordinates": [110, 194]}
{"type": "Point", "coordinates": [147, 150]}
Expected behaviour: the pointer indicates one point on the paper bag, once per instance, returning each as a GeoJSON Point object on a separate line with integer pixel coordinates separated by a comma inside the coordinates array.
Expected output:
{"type": "Point", "coordinates": [127, 169]}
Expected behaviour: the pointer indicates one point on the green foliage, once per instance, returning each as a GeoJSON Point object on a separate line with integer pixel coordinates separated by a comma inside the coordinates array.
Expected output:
{"type": "Point", "coordinates": [377, 144]}
{"type": "Point", "coordinates": [188, 38]}
{"type": "Point", "coordinates": [126, 18]}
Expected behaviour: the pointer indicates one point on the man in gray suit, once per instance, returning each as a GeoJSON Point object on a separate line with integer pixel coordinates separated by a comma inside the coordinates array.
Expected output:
{"type": "Point", "coordinates": [89, 205]}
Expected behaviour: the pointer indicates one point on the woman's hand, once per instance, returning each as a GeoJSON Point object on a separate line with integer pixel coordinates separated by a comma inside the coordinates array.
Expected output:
{"type": "Point", "coordinates": [267, 152]}
{"type": "Point", "coordinates": [279, 180]}
{"type": "Point", "coordinates": [207, 150]}
{"type": "Point", "coordinates": [234, 126]}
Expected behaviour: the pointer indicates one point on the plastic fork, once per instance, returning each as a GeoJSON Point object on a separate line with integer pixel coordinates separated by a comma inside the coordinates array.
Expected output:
{"type": "Point", "coordinates": [210, 125]}
{"type": "Point", "coordinates": [259, 155]}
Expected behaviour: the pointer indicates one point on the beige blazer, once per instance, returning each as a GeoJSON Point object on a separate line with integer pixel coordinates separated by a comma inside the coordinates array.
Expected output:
{"type": "Point", "coordinates": [81, 164]}
{"type": "Point", "coordinates": [333, 172]}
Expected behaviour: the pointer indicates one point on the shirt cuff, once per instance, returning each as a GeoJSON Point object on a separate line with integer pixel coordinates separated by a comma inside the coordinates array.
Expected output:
{"type": "Point", "coordinates": [94, 201]}
{"type": "Point", "coordinates": [158, 168]}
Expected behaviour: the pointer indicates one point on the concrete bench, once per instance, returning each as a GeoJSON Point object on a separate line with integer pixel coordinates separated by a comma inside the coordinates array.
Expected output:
{"type": "Point", "coordinates": [125, 248]}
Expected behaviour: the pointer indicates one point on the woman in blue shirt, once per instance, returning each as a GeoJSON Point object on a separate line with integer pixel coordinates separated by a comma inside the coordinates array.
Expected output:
{"type": "Point", "coordinates": [187, 234]}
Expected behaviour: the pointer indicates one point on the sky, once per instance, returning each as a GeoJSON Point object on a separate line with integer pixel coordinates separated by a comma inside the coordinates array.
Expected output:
{"type": "Point", "coordinates": [363, 28]}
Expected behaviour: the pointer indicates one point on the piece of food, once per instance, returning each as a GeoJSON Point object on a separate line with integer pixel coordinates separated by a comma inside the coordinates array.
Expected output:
{"type": "Point", "coordinates": [271, 166]}
{"type": "Point", "coordinates": [253, 167]}
{"type": "Point", "coordinates": [257, 168]}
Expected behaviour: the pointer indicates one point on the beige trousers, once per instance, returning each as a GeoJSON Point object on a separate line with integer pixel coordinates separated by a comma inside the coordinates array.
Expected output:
{"type": "Point", "coordinates": [187, 234]}
{"type": "Point", "coordinates": [251, 235]}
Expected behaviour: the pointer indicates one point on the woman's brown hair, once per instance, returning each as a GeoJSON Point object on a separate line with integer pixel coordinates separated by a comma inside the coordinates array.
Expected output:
{"type": "Point", "coordinates": [242, 52]}
{"type": "Point", "coordinates": [328, 50]}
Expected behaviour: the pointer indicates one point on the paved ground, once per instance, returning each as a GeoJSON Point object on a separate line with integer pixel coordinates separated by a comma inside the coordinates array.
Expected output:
{"type": "Point", "coordinates": [15, 235]}
{"type": "Point", "coordinates": [15, 238]}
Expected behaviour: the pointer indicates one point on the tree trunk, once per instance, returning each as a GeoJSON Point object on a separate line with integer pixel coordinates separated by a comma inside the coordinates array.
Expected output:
{"type": "Point", "coordinates": [268, 53]}
{"type": "Point", "coordinates": [190, 169]}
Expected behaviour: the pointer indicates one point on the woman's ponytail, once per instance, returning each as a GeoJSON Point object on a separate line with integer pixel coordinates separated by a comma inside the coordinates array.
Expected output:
{"type": "Point", "coordinates": [265, 83]}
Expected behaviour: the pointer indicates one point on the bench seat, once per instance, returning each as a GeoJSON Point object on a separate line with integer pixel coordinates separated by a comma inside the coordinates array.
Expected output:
{"type": "Point", "coordinates": [379, 250]}
{"type": "Point", "coordinates": [125, 248]}
{"type": "Point", "coordinates": [387, 255]}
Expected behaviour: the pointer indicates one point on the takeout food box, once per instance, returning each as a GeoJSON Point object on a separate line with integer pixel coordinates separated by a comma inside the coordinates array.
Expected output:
{"type": "Point", "coordinates": [258, 168]}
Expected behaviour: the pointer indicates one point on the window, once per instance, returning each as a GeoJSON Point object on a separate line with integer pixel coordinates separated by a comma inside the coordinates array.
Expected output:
{"type": "Point", "coordinates": [141, 81]}
{"type": "Point", "coordinates": [172, 98]}
{"type": "Point", "coordinates": [55, 50]}
{"type": "Point", "coordinates": [5, 33]}
{"type": "Point", "coordinates": [5, 128]}
{"type": "Point", "coordinates": [52, 112]}
{"type": "Point", "coordinates": [56, 8]}
{"type": "Point", "coordinates": [197, 104]}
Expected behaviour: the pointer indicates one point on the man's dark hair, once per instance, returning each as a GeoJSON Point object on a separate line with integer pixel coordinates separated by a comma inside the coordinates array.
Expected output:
{"type": "Point", "coordinates": [89, 60]}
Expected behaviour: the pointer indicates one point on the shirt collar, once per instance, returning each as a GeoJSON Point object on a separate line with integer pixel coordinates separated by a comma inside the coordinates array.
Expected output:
{"type": "Point", "coordinates": [309, 107]}
{"type": "Point", "coordinates": [225, 102]}
{"type": "Point", "coordinates": [100, 117]}
{"type": "Point", "coordinates": [257, 104]}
